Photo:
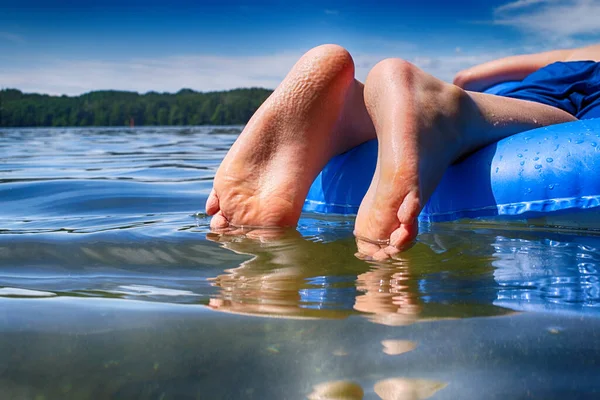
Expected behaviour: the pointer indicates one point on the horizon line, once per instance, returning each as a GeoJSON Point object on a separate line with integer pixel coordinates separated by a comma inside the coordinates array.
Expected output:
{"type": "Point", "coordinates": [4, 89]}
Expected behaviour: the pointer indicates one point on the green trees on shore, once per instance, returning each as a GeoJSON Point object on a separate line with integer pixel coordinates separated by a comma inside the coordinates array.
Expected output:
{"type": "Point", "coordinates": [117, 108]}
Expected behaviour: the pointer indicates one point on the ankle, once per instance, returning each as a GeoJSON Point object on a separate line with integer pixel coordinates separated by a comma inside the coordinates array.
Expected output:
{"type": "Point", "coordinates": [453, 103]}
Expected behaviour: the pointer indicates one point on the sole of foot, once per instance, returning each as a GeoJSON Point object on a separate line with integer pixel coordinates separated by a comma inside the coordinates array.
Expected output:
{"type": "Point", "coordinates": [264, 178]}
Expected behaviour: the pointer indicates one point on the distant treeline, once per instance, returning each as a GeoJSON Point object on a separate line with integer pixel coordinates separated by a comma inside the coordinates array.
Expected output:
{"type": "Point", "coordinates": [117, 108]}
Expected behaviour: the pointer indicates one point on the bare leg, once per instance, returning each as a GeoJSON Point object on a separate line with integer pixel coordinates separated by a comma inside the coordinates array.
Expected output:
{"type": "Point", "coordinates": [316, 113]}
{"type": "Point", "coordinates": [423, 125]}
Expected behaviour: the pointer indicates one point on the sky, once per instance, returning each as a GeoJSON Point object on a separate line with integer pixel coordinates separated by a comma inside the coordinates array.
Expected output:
{"type": "Point", "coordinates": [76, 46]}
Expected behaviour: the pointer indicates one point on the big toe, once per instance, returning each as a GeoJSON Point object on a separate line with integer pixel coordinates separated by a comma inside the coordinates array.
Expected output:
{"type": "Point", "coordinates": [212, 203]}
{"type": "Point", "coordinates": [218, 222]}
{"type": "Point", "coordinates": [402, 238]}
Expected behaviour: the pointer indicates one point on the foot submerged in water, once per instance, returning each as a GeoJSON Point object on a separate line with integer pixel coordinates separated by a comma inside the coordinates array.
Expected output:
{"type": "Point", "coordinates": [264, 178]}
{"type": "Point", "coordinates": [414, 117]}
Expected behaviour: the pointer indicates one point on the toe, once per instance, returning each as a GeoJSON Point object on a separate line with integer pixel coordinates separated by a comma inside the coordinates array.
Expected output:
{"type": "Point", "coordinates": [367, 249]}
{"type": "Point", "coordinates": [403, 237]}
{"type": "Point", "coordinates": [219, 222]}
{"type": "Point", "coordinates": [410, 208]}
{"type": "Point", "coordinates": [212, 203]}
{"type": "Point", "coordinates": [381, 255]}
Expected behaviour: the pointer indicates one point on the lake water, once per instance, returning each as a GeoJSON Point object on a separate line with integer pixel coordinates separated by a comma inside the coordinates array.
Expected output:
{"type": "Point", "coordinates": [113, 287]}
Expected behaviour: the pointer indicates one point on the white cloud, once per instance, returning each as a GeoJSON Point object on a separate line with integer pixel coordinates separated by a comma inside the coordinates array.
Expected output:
{"type": "Point", "coordinates": [445, 66]}
{"type": "Point", "coordinates": [203, 72]}
{"type": "Point", "coordinates": [554, 20]}
{"type": "Point", "coordinates": [517, 5]}
{"type": "Point", "coordinates": [441, 65]}
{"type": "Point", "coordinates": [169, 74]}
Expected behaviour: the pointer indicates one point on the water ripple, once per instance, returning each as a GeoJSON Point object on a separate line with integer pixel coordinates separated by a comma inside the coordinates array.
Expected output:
{"type": "Point", "coordinates": [117, 213]}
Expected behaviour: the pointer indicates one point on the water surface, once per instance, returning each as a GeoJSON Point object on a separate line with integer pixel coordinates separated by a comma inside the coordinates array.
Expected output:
{"type": "Point", "coordinates": [113, 287]}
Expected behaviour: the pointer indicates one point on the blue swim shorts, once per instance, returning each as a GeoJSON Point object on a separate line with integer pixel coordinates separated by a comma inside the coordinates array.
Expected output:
{"type": "Point", "coordinates": [572, 86]}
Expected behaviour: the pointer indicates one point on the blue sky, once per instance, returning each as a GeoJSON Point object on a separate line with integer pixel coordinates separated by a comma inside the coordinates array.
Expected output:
{"type": "Point", "coordinates": [72, 47]}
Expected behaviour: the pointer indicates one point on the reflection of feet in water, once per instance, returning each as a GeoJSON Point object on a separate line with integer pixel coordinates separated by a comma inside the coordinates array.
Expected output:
{"type": "Point", "coordinates": [294, 276]}
{"type": "Point", "coordinates": [390, 297]}
{"type": "Point", "coordinates": [264, 178]}
{"type": "Point", "coordinates": [263, 285]}
{"type": "Point", "coordinates": [288, 277]}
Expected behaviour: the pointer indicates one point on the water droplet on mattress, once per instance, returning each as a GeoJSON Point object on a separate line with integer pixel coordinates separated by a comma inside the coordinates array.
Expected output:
{"type": "Point", "coordinates": [538, 166]}
{"type": "Point", "coordinates": [535, 158]}
{"type": "Point", "coordinates": [549, 159]}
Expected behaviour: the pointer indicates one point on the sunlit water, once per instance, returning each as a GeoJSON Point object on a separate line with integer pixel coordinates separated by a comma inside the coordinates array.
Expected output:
{"type": "Point", "coordinates": [113, 287]}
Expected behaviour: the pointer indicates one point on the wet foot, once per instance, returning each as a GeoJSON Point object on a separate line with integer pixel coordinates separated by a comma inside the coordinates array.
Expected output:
{"type": "Point", "coordinates": [264, 178]}
{"type": "Point", "coordinates": [415, 118]}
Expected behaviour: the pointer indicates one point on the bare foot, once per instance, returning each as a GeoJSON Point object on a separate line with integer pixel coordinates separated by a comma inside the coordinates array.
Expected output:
{"type": "Point", "coordinates": [414, 117]}
{"type": "Point", "coordinates": [264, 178]}
{"type": "Point", "coordinates": [423, 125]}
